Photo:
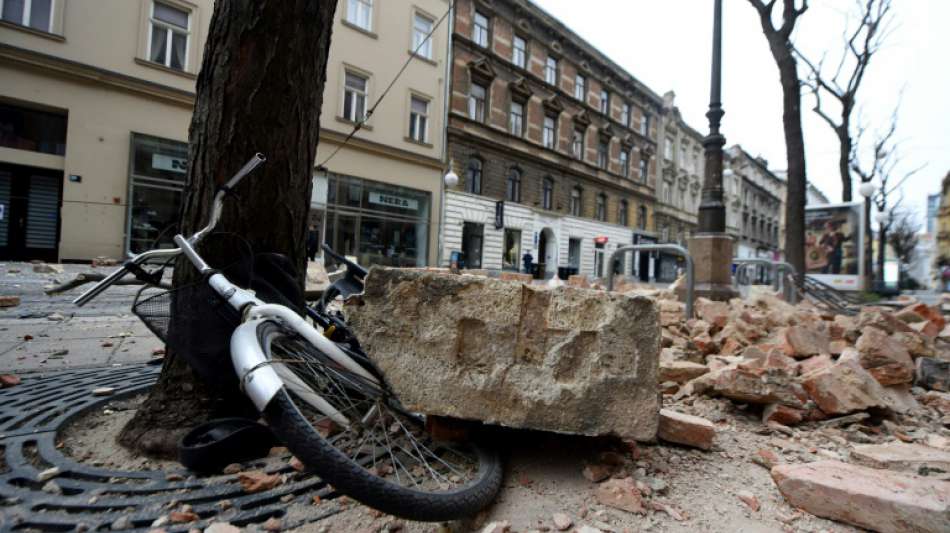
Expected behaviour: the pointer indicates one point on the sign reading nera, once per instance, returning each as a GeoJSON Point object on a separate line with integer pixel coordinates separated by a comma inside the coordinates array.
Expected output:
{"type": "Point", "coordinates": [170, 163]}
{"type": "Point", "coordinates": [392, 200]}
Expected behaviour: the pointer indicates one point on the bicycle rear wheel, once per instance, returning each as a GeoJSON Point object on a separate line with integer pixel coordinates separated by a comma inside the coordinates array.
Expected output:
{"type": "Point", "coordinates": [371, 450]}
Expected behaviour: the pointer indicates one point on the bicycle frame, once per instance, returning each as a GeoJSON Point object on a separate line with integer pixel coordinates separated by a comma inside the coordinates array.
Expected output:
{"type": "Point", "coordinates": [260, 378]}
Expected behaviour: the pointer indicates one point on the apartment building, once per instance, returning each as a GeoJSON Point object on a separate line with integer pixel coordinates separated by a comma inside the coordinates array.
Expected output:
{"type": "Point", "coordinates": [553, 142]}
{"type": "Point", "coordinates": [680, 181]}
{"type": "Point", "coordinates": [755, 211]}
{"type": "Point", "coordinates": [95, 101]}
{"type": "Point", "coordinates": [96, 97]}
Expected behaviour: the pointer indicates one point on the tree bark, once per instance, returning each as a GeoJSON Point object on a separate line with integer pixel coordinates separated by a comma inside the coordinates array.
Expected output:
{"type": "Point", "coordinates": [781, 48]}
{"type": "Point", "coordinates": [260, 89]}
{"type": "Point", "coordinates": [846, 147]}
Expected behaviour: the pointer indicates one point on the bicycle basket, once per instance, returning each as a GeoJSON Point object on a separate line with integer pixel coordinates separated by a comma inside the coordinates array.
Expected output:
{"type": "Point", "coordinates": [198, 303]}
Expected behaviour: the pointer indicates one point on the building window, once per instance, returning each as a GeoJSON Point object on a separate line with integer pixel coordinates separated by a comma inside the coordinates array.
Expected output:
{"type": "Point", "coordinates": [473, 173]}
{"type": "Point", "coordinates": [574, 254]}
{"type": "Point", "coordinates": [480, 30]}
{"type": "Point", "coordinates": [580, 87]}
{"type": "Point", "coordinates": [472, 236]}
{"type": "Point", "coordinates": [476, 102]}
{"type": "Point", "coordinates": [29, 129]}
{"type": "Point", "coordinates": [605, 102]}
{"type": "Point", "coordinates": [668, 149]}
{"type": "Point", "coordinates": [549, 132]}
{"type": "Point", "coordinates": [511, 260]}
{"type": "Point", "coordinates": [547, 193]}
{"type": "Point", "coordinates": [550, 70]}
{"type": "Point", "coordinates": [513, 189]}
{"type": "Point", "coordinates": [665, 234]}
{"type": "Point", "coordinates": [645, 125]}
{"type": "Point", "coordinates": [603, 154]}
{"type": "Point", "coordinates": [624, 163]}
{"type": "Point", "coordinates": [360, 13]}
{"type": "Point", "coordinates": [668, 193]}
{"type": "Point", "coordinates": [622, 213]}
{"type": "Point", "coordinates": [576, 198]}
{"type": "Point", "coordinates": [519, 52]}
{"type": "Point", "coordinates": [421, 40]}
{"type": "Point", "coordinates": [158, 171]}
{"type": "Point", "coordinates": [419, 120]}
{"type": "Point", "coordinates": [625, 114]}
{"type": "Point", "coordinates": [642, 217]}
{"type": "Point", "coordinates": [354, 97]}
{"type": "Point", "coordinates": [516, 119]}
{"type": "Point", "coordinates": [684, 157]}
{"type": "Point", "coordinates": [601, 208]}
{"type": "Point", "coordinates": [36, 14]}
{"type": "Point", "coordinates": [577, 145]}
{"type": "Point", "coordinates": [644, 168]}
{"type": "Point", "coordinates": [168, 44]}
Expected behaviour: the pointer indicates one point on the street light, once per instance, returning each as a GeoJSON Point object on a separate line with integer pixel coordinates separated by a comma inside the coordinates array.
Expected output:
{"type": "Point", "coordinates": [867, 190]}
{"type": "Point", "coordinates": [449, 180]}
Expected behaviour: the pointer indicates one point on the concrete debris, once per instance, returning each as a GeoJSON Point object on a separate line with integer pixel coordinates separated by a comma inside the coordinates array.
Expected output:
{"type": "Point", "coordinates": [565, 359]}
{"type": "Point", "coordinates": [749, 499]}
{"type": "Point", "coordinates": [686, 429]}
{"type": "Point", "coordinates": [47, 268]}
{"type": "Point", "coordinates": [9, 301]}
{"type": "Point", "coordinates": [103, 261]}
{"type": "Point", "coordinates": [680, 371]}
{"type": "Point", "coordinates": [885, 358]}
{"type": "Point", "coordinates": [880, 500]}
{"type": "Point", "coordinates": [843, 388]}
{"type": "Point", "coordinates": [914, 458]}
{"type": "Point", "coordinates": [621, 494]}
{"type": "Point", "coordinates": [562, 522]}
{"type": "Point", "coordinates": [9, 380]}
{"type": "Point", "coordinates": [257, 481]}
{"type": "Point", "coordinates": [933, 374]}
{"type": "Point", "coordinates": [48, 474]}
{"type": "Point", "coordinates": [596, 473]}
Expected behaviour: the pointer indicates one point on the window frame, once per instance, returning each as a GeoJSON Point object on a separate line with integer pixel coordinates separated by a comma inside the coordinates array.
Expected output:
{"type": "Point", "coordinates": [476, 27]}
{"type": "Point", "coordinates": [170, 30]}
{"type": "Point", "coordinates": [576, 206]}
{"type": "Point", "coordinates": [605, 102]}
{"type": "Point", "coordinates": [578, 144]}
{"type": "Point", "coordinates": [545, 138]}
{"type": "Point", "coordinates": [472, 103]}
{"type": "Point", "coordinates": [547, 193]}
{"type": "Point", "coordinates": [346, 90]}
{"type": "Point", "coordinates": [369, 15]}
{"type": "Point", "coordinates": [644, 168]}
{"type": "Point", "coordinates": [645, 125]}
{"type": "Point", "coordinates": [642, 217]}
{"type": "Point", "coordinates": [516, 129]}
{"type": "Point", "coordinates": [625, 114]}
{"type": "Point", "coordinates": [414, 116]}
{"type": "Point", "coordinates": [580, 87]}
{"type": "Point", "coordinates": [624, 162]}
{"type": "Point", "coordinates": [669, 149]}
{"type": "Point", "coordinates": [603, 154]}
{"type": "Point", "coordinates": [513, 185]}
{"type": "Point", "coordinates": [524, 51]}
{"type": "Point", "coordinates": [428, 47]}
{"type": "Point", "coordinates": [600, 207]}
{"type": "Point", "coordinates": [27, 15]}
{"type": "Point", "coordinates": [475, 166]}
{"type": "Point", "coordinates": [623, 212]}
{"type": "Point", "coordinates": [552, 70]}
{"type": "Point", "coordinates": [515, 265]}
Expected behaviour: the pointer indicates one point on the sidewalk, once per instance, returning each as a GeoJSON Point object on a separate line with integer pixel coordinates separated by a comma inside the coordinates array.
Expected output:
{"type": "Point", "coordinates": [34, 338]}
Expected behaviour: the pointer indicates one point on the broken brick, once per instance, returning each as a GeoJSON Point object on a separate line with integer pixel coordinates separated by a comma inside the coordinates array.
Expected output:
{"type": "Point", "coordinates": [686, 429]}
{"type": "Point", "coordinates": [621, 494]}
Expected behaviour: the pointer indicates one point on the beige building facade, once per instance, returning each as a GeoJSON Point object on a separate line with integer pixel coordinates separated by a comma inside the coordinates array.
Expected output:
{"type": "Point", "coordinates": [96, 97]}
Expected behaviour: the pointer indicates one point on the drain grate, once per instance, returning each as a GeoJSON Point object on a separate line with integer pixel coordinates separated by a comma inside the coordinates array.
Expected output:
{"type": "Point", "coordinates": [31, 415]}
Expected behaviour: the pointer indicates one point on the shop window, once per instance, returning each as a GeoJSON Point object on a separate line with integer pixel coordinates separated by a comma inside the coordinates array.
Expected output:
{"type": "Point", "coordinates": [158, 171]}
{"type": "Point", "coordinates": [599, 259]}
{"type": "Point", "coordinates": [472, 235]}
{"type": "Point", "coordinates": [473, 183]}
{"type": "Point", "coordinates": [30, 129]}
{"type": "Point", "coordinates": [354, 96]}
{"type": "Point", "coordinates": [170, 29]}
{"type": "Point", "coordinates": [421, 40]}
{"type": "Point", "coordinates": [360, 13]}
{"type": "Point", "coordinates": [574, 254]}
{"type": "Point", "coordinates": [36, 14]}
{"type": "Point", "coordinates": [511, 260]}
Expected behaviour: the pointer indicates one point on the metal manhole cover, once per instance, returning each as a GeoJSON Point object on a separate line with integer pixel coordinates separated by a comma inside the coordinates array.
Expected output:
{"type": "Point", "coordinates": [31, 415]}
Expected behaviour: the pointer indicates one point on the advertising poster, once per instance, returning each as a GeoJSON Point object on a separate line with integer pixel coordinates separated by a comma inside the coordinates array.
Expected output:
{"type": "Point", "coordinates": [833, 245]}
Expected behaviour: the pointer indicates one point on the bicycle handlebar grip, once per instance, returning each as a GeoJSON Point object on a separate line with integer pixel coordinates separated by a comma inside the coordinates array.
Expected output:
{"type": "Point", "coordinates": [97, 289]}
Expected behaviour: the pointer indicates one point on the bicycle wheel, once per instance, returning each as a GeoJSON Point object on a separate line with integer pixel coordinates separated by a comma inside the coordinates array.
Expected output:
{"type": "Point", "coordinates": [371, 449]}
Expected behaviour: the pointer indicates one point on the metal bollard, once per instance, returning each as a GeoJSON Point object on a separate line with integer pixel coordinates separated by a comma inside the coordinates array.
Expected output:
{"type": "Point", "coordinates": [671, 248]}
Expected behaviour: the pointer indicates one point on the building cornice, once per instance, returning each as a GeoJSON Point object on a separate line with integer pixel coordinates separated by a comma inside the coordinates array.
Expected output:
{"type": "Point", "coordinates": [67, 68]}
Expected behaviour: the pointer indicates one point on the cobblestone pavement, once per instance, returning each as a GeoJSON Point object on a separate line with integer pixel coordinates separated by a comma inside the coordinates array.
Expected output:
{"type": "Point", "coordinates": [33, 338]}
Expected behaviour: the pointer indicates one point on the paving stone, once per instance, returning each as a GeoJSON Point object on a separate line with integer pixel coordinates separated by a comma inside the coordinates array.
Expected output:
{"type": "Point", "coordinates": [915, 458]}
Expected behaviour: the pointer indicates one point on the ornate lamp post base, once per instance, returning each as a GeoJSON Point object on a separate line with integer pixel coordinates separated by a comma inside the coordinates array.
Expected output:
{"type": "Point", "coordinates": [712, 257]}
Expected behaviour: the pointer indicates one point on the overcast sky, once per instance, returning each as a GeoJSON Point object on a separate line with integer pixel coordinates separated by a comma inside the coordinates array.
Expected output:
{"type": "Point", "coordinates": [666, 44]}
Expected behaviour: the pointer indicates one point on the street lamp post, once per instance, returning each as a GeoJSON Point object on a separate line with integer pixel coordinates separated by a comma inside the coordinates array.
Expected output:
{"type": "Point", "coordinates": [867, 191]}
{"type": "Point", "coordinates": [449, 181]}
{"type": "Point", "coordinates": [712, 247]}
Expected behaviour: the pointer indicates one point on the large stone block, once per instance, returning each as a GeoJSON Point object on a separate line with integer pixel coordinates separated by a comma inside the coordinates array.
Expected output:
{"type": "Point", "coordinates": [566, 359]}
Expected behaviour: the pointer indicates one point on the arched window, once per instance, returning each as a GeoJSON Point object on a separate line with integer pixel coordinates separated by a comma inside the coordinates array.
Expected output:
{"type": "Point", "coordinates": [642, 217]}
{"type": "Point", "coordinates": [473, 176]}
{"type": "Point", "coordinates": [547, 193]}
{"type": "Point", "coordinates": [622, 213]}
{"type": "Point", "coordinates": [601, 211]}
{"type": "Point", "coordinates": [576, 197]}
{"type": "Point", "coordinates": [513, 193]}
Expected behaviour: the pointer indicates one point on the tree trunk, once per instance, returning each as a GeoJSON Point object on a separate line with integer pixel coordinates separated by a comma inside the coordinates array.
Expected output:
{"type": "Point", "coordinates": [844, 157]}
{"type": "Point", "coordinates": [881, 253]}
{"type": "Point", "coordinates": [260, 89]}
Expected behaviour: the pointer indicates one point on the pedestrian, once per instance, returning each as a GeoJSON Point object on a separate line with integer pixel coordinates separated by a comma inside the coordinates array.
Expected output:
{"type": "Point", "coordinates": [528, 260]}
{"type": "Point", "coordinates": [313, 242]}
{"type": "Point", "coordinates": [945, 277]}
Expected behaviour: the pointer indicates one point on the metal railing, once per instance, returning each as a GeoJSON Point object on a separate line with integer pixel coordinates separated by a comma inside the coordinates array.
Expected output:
{"type": "Point", "coordinates": [670, 248]}
{"type": "Point", "coordinates": [775, 268]}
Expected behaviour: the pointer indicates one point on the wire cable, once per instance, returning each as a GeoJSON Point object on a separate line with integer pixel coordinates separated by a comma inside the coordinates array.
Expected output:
{"type": "Point", "coordinates": [405, 65]}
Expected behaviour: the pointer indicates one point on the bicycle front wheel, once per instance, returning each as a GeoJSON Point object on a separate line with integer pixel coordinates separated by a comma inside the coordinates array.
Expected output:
{"type": "Point", "coordinates": [356, 436]}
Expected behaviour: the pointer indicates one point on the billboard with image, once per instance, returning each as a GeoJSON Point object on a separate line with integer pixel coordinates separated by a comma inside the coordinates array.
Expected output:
{"type": "Point", "coordinates": [834, 237]}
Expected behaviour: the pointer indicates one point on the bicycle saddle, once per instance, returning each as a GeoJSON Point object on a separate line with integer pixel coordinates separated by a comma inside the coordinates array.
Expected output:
{"type": "Point", "coordinates": [217, 443]}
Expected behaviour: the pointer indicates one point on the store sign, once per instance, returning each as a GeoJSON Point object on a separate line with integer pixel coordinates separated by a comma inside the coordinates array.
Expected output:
{"type": "Point", "coordinates": [170, 163]}
{"type": "Point", "coordinates": [499, 215]}
{"type": "Point", "coordinates": [600, 240]}
{"type": "Point", "coordinates": [392, 200]}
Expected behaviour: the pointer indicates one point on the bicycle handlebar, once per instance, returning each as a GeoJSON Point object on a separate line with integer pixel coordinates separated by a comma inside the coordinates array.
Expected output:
{"type": "Point", "coordinates": [186, 245]}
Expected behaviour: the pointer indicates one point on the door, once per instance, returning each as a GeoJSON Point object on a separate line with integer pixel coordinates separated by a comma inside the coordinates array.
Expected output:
{"type": "Point", "coordinates": [30, 201]}
{"type": "Point", "coordinates": [472, 244]}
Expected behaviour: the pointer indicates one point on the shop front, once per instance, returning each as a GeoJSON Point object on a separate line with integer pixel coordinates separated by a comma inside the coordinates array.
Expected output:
{"type": "Point", "coordinates": [157, 171]}
{"type": "Point", "coordinates": [378, 223]}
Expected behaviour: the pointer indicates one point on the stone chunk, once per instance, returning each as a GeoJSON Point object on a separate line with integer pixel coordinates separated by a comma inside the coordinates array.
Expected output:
{"type": "Point", "coordinates": [686, 429]}
{"type": "Point", "coordinates": [47, 268]}
{"type": "Point", "coordinates": [712, 312]}
{"type": "Point", "coordinates": [879, 500]}
{"type": "Point", "coordinates": [622, 494]}
{"type": "Point", "coordinates": [885, 358]}
{"type": "Point", "coordinates": [759, 387]}
{"type": "Point", "coordinates": [9, 301]}
{"type": "Point", "coordinates": [521, 277]}
{"type": "Point", "coordinates": [843, 388]}
{"type": "Point", "coordinates": [680, 371]}
{"type": "Point", "coordinates": [556, 359]}
{"type": "Point", "coordinates": [783, 414]}
{"type": "Point", "coordinates": [805, 341]}
{"type": "Point", "coordinates": [9, 380]}
{"type": "Point", "coordinates": [915, 458]}
{"type": "Point", "coordinates": [933, 374]}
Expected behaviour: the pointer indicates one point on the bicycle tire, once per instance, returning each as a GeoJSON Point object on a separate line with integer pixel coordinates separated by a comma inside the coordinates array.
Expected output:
{"type": "Point", "coordinates": [354, 480]}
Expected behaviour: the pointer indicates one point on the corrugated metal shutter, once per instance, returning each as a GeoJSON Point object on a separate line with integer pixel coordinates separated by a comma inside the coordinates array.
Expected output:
{"type": "Point", "coordinates": [42, 215]}
{"type": "Point", "coordinates": [5, 181]}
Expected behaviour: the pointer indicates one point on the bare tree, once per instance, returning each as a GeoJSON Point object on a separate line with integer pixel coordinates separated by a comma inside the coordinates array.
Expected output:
{"type": "Point", "coordinates": [843, 83]}
{"type": "Point", "coordinates": [780, 44]}
{"type": "Point", "coordinates": [905, 233]}
{"type": "Point", "coordinates": [260, 89]}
